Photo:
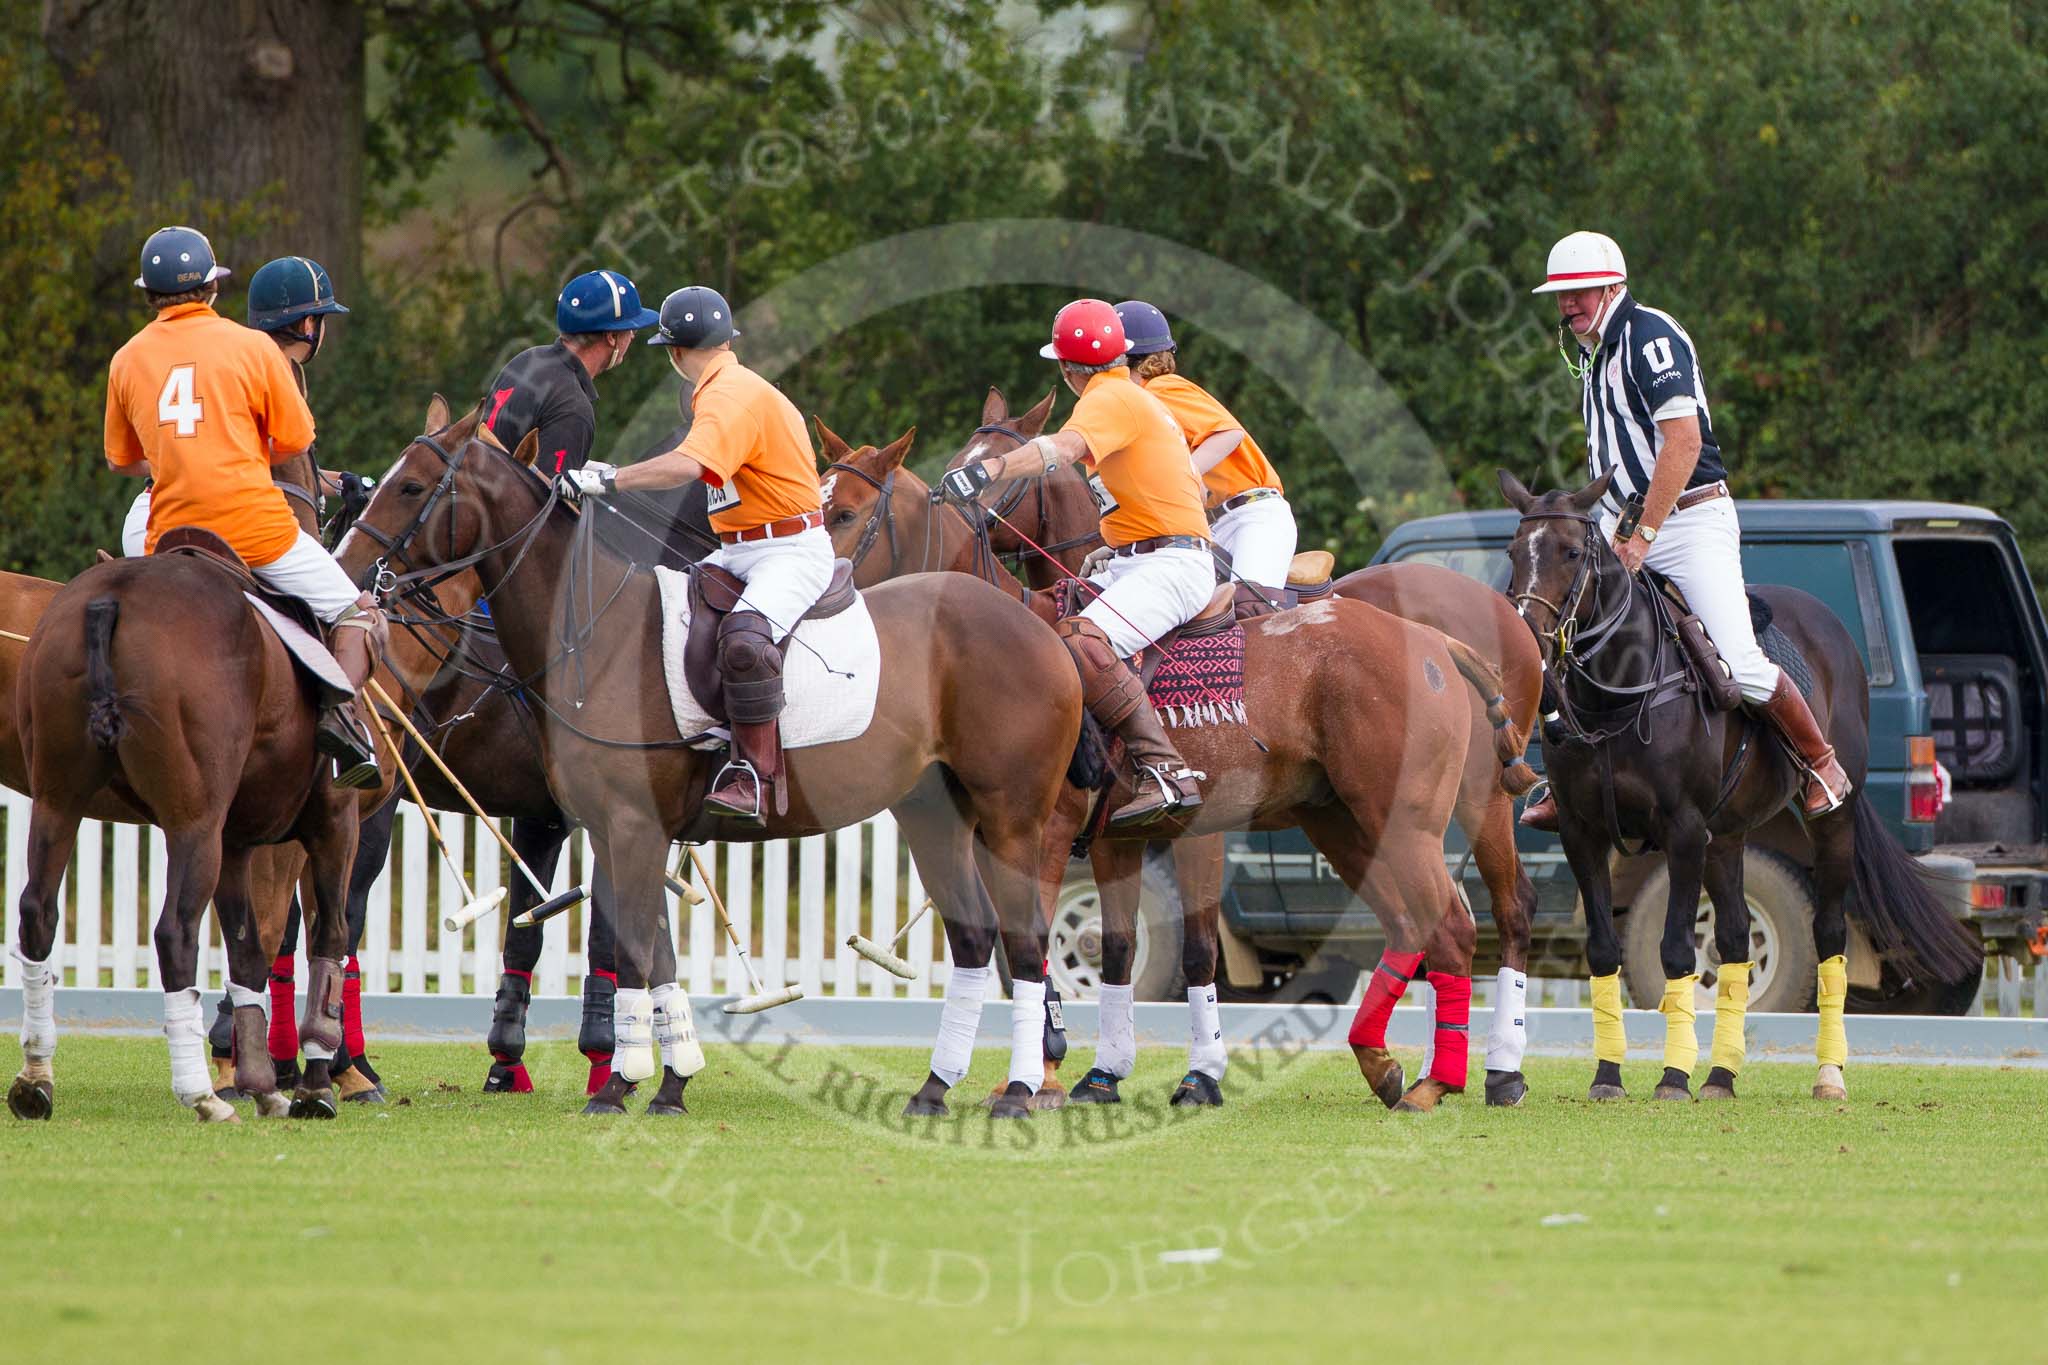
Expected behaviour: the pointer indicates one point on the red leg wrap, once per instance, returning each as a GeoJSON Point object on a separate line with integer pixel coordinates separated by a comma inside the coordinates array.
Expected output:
{"type": "Point", "coordinates": [600, 1072]}
{"type": "Point", "coordinates": [284, 1012]}
{"type": "Point", "coordinates": [1389, 982]}
{"type": "Point", "coordinates": [1453, 1028]}
{"type": "Point", "coordinates": [522, 1084]}
{"type": "Point", "coordinates": [352, 1006]}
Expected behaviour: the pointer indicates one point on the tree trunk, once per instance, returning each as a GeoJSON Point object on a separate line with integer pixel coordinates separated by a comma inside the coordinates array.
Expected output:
{"type": "Point", "coordinates": [229, 103]}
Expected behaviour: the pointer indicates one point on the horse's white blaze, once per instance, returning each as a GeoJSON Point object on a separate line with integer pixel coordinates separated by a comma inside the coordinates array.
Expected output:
{"type": "Point", "coordinates": [825, 489]}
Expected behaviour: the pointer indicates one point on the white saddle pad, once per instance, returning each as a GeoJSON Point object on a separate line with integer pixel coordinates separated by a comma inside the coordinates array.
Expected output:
{"type": "Point", "coordinates": [830, 672]}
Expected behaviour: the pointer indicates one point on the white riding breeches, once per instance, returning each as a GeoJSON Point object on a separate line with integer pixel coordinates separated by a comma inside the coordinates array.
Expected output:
{"type": "Point", "coordinates": [1145, 596]}
{"type": "Point", "coordinates": [784, 577]}
{"type": "Point", "coordinates": [135, 530]}
{"type": "Point", "coordinates": [312, 575]}
{"type": "Point", "coordinates": [1260, 537]}
{"type": "Point", "coordinates": [1700, 549]}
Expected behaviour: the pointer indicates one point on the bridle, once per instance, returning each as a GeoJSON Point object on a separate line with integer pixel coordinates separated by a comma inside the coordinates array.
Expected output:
{"type": "Point", "coordinates": [387, 581]}
{"type": "Point", "coordinates": [883, 517]}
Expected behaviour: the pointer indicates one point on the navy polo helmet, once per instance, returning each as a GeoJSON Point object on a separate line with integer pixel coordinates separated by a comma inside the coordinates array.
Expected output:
{"type": "Point", "coordinates": [600, 301]}
{"type": "Point", "coordinates": [693, 318]}
{"type": "Point", "coordinates": [287, 289]}
{"type": "Point", "coordinates": [176, 259]}
{"type": "Point", "coordinates": [1144, 327]}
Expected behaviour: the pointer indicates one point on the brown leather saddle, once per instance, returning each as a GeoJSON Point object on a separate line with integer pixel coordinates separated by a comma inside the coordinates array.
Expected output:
{"type": "Point", "coordinates": [284, 613]}
{"type": "Point", "coordinates": [713, 594]}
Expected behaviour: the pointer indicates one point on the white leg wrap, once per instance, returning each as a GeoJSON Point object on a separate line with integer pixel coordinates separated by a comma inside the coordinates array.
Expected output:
{"type": "Point", "coordinates": [186, 1034]}
{"type": "Point", "coordinates": [958, 1023]}
{"type": "Point", "coordinates": [315, 1052]}
{"type": "Point", "coordinates": [1116, 1049]}
{"type": "Point", "coordinates": [1205, 1033]}
{"type": "Point", "coordinates": [239, 996]}
{"type": "Point", "coordinates": [633, 1027]}
{"type": "Point", "coordinates": [1508, 1039]}
{"type": "Point", "coordinates": [1424, 994]}
{"type": "Point", "coordinates": [1027, 1033]}
{"type": "Point", "coordinates": [675, 1030]}
{"type": "Point", "coordinates": [38, 1010]}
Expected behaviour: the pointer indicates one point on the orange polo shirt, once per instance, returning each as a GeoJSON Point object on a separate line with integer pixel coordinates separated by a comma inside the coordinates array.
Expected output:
{"type": "Point", "coordinates": [1136, 447]}
{"type": "Point", "coordinates": [1200, 417]}
{"type": "Point", "coordinates": [211, 405]}
{"type": "Point", "coordinates": [754, 447]}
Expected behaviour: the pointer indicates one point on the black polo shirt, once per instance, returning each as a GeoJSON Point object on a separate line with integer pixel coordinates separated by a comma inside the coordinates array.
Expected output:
{"type": "Point", "coordinates": [545, 389]}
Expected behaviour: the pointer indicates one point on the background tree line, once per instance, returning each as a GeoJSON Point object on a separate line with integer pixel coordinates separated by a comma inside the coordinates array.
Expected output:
{"type": "Point", "coordinates": [1840, 201]}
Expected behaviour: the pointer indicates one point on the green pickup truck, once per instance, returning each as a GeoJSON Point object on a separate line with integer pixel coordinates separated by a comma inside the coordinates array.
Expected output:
{"type": "Point", "coordinates": [1940, 604]}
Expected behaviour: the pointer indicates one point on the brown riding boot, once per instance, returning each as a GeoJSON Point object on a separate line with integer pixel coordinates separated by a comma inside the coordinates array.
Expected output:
{"type": "Point", "coordinates": [1114, 696]}
{"type": "Point", "coordinates": [1827, 785]}
{"type": "Point", "coordinates": [1541, 813]}
{"type": "Point", "coordinates": [342, 735]}
{"type": "Point", "coordinates": [749, 775]}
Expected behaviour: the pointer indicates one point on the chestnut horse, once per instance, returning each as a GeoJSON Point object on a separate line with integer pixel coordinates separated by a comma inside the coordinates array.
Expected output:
{"type": "Point", "coordinates": [1058, 513]}
{"type": "Point", "coordinates": [1357, 734]}
{"type": "Point", "coordinates": [969, 779]}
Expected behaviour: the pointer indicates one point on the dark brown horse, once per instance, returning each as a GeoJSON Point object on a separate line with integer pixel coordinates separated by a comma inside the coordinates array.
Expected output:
{"type": "Point", "coordinates": [154, 680]}
{"type": "Point", "coordinates": [968, 777]}
{"type": "Point", "coordinates": [1643, 758]}
{"type": "Point", "coordinates": [1357, 734]}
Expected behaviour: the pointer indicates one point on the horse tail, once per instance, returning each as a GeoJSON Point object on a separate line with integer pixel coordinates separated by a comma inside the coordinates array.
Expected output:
{"type": "Point", "coordinates": [1089, 768]}
{"type": "Point", "coordinates": [103, 723]}
{"type": "Point", "coordinates": [1907, 924]}
{"type": "Point", "coordinates": [1509, 741]}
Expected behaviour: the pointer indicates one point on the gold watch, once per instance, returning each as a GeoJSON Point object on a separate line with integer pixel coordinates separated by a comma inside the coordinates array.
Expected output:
{"type": "Point", "coordinates": [1648, 533]}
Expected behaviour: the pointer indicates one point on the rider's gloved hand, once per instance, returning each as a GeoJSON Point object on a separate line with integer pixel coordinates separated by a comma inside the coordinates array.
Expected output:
{"type": "Point", "coordinates": [1096, 559]}
{"type": "Point", "coordinates": [594, 480]}
{"type": "Point", "coordinates": [965, 483]}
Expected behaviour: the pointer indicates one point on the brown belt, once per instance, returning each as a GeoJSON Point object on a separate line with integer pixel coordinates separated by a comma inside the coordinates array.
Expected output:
{"type": "Point", "coordinates": [1695, 496]}
{"type": "Point", "coordinates": [1244, 499]}
{"type": "Point", "coordinates": [774, 530]}
{"type": "Point", "coordinates": [1146, 547]}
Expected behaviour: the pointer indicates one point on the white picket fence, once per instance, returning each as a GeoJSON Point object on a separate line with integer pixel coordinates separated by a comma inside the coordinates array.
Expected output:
{"type": "Point", "coordinates": [794, 903]}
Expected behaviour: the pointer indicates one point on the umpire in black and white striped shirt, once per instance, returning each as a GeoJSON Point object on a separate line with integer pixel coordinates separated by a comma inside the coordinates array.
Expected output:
{"type": "Point", "coordinates": [1645, 407]}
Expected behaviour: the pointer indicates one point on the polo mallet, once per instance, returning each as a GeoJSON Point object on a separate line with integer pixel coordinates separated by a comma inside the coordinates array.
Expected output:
{"type": "Point", "coordinates": [682, 890]}
{"type": "Point", "coordinates": [472, 909]}
{"type": "Point", "coordinates": [548, 907]}
{"type": "Point", "coordinates": [760, 999]}
{"type": "Point", "coordinates": [883, 957]}
{"type": "Point", "coordinates": [11, 635]}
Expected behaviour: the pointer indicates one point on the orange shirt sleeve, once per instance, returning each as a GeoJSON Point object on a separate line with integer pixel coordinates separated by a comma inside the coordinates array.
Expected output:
{"type": "Point", "coordinates": [124, 446]}
{"type": "Point", "coordinates": [287, 421]}
{"type": "Point", "coordinates": [1199, 414]}
{"type": "Point", "coordinates": [722, 435]}
{"type": "Point", "coordinates": [1106, 424]}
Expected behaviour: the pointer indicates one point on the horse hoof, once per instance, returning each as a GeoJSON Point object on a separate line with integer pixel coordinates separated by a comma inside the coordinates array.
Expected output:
{"type": "Point", "coordinates": [1506, 1089]}
{"type": "Point", "coordinates": [663, 1109]}
{"type": "Point", "coordinates": [1197, 1090]}
{"type": "Point", "coordinates": [27, 1099]}
{"type": "Point", "coordinates": [925, 1107]}
{"type": "Point", "coordinates": [1423, 1097]}
{"type": "Point", "coordinates": [1013, 1103]}
{"type": "Point", "coordinates": [1049, 1098]}
{"type": "Point", "coordinates": [598, 1104]}
{"type": "Point", "coordinates": [233, 1094]}
{"type": "Point", "coordinates": [1717, 1092]}
{"type": "Point", "coordinates": [213, 1109]}
{"type": "Point", "coordinates": [1097, 1087]}
{"type": "Point", "coordinates": [1600, 1092]}
{"type": "Point", "coordinates": [1671, 1092]}
{"type": "Point", "coordinates": [272, 1105]}
{"type": "Point", "coordinates": [373, 1095]}
{"type": "Point", "coordinates": [314, 1104]}
{"type": "Point", "coordinates": [1829, 1084]}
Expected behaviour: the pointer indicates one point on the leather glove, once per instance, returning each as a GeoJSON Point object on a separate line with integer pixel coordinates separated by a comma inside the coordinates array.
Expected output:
{"type": "Point", "coordinates": [964, 484]}
{"type": "Point", "coordinates": [1097, 557]}
{"type": "Point", "coordinates": [594, 480]}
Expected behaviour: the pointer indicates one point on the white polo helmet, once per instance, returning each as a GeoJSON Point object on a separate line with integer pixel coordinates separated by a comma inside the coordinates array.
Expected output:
{"type": "Point", "coordinates": [1583, 260]}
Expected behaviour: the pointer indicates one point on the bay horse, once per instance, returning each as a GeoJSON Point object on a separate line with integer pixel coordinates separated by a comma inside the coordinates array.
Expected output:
{"type": "Point", "coordinates": [1045, 525]}
{"type": "Point", "coordinates": [1641, 757]}
{"type": "Point", "coordinates": [970, 780]}
{"type": "Point", "coordinates": [154, 679]}
{"type": "Point", "coordinates": [1356, 733]}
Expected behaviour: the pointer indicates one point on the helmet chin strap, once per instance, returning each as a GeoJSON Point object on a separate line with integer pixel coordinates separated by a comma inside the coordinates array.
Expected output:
{"type": "Point", "coordinates": [1580, 365]}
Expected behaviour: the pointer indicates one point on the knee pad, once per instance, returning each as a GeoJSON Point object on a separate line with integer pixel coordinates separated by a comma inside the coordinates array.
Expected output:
{"type": "Point", "coordinates": [751, 665]}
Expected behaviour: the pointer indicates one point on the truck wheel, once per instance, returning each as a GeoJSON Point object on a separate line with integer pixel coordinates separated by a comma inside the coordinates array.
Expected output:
{"type": "Point", "coordinates": [1074, 947]}
{"type": "Point", "coordinates": [1780, 938]}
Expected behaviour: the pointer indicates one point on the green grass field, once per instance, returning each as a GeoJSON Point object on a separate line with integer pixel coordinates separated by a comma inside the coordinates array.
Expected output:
{"type": "Point", "coordinates": [791, 1217]}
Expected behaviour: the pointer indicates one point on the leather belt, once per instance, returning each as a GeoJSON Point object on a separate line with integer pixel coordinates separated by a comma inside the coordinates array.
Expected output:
{"type": "Point", "coordinates": [1693, 497]}
{"type": "Point", "coordinates": [1244, 499]}
{"type": "Point", "coordinates": [774, 530]}
{"type": "Point", "coordinates": [1146, 547]}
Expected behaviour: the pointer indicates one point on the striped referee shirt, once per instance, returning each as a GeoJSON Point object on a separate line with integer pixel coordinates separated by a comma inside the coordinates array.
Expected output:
{"type": "Point", "coordinates": [1644, 372]}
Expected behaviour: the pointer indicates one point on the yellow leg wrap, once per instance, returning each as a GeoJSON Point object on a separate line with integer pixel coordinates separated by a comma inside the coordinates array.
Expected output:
{"type": "Point", "coordinates": [1832, 1047]}
{"type": "Point", "coordinates": [1610, 1043]}
{"type": "Point", "coordinates": [1731, 1003]}
{"type": "Point", "coordinates": [1681, 1028]}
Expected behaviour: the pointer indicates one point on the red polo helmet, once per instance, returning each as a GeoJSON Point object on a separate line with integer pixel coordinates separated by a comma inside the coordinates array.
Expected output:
{"type": "Point", "coordinates": [1086, 332]}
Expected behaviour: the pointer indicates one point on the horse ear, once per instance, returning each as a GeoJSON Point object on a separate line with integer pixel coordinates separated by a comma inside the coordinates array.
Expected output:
{"type": "Point", "coordinates": [437, 415]}
{"type": "Point", "coordinates": [529, 446]}
{"type": "Point", "coordinates": [1511, 488]}
{"type": "Point", "coordinates": [1586, 498]}
{"type": "Point", "coordinates": [994, 408]}
{"type": "Point", "coordinates": [836, 450]}
{"type": "Point", "coordinates": [893, 453]}
{"type": "Point", "coordinates": [1033, 421]}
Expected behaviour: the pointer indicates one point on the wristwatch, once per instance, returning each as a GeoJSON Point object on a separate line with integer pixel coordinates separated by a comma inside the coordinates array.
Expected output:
{"type": "Point", "coordinates": [1648, 533]}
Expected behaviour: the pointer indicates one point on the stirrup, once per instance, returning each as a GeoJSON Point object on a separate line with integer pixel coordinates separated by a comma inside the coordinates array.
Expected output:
{"type": "Point", "coordinates": [1171, 797]}
{"type": "Point", "coordinates": [355, 761]}
{"type": "Point", "coordinates": [730, 812]}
